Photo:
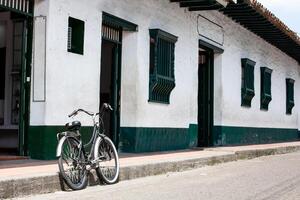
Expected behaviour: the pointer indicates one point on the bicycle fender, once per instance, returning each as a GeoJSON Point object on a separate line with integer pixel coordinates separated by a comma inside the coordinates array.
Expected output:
{"type": "Point", "coordinates": [60, 143]}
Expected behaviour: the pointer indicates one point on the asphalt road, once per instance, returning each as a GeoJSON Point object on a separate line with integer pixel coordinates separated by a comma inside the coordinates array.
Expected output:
{"type": "Point", "coordinates": [272, 177]}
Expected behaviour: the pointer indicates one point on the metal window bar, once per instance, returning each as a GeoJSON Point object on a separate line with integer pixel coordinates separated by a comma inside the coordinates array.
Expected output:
{"type": "Point", "coordinates": [165, 58]}
{"type": "Point", "coordinates": [17, 5]}
{"type": "Point", "coordinates": [111, 33]}
{"type": "Point", "coordinates": [69, 37]}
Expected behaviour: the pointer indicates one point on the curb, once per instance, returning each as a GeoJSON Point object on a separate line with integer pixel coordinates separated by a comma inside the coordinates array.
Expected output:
{"type": "Point", "coordinates": [52, 183]}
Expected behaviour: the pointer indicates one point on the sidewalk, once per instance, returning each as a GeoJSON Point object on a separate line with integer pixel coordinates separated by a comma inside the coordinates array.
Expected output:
{"type": "Point", "coordinates": [27, 177]}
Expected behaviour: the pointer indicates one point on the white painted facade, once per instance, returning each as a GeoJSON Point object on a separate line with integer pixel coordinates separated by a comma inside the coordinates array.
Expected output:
{"type": "Point", "coordinates": [73, 81]}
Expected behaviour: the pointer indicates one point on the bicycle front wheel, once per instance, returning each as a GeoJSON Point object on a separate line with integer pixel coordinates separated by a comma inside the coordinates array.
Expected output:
{"type": "Point", "coordinates": [108, 161]}
{"type": "Point", "coordinates": [71, 164]}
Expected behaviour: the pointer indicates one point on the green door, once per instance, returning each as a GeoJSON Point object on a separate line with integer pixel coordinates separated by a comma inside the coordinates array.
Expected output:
{"type": "Point", "coordinates": [18, 78]}
{"type": "Point", "coordinates": [22, 33]}
{"type": "Point", "coordinates": [116, 95]}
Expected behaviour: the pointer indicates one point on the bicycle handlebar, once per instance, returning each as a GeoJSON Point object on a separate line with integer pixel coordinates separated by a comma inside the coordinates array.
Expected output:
{"type": "Point", "coordinates": [75, 112]}
{"type": "Point", "coordinates": [104, 106]}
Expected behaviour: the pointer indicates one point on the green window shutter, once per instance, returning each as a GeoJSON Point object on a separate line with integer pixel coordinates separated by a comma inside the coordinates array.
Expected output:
{"type": "Point", "coordinates": [289, 95]}
{"type": "Point", "coordinates": [247, 90]}
{"type": "Point", "coordinates": [75, 36]}
{"type": "Point", "coordinates": [265, 89]}
{"type": "Point", "coordinates": [161, 70]}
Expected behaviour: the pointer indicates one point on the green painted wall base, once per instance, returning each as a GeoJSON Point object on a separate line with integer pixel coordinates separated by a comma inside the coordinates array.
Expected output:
{"type": "Point", "coordinates": [42, 140]}
{"type": "Point", "coordinates": [136, 140]}
{"type": "Point", "coordinates": [228, 135]}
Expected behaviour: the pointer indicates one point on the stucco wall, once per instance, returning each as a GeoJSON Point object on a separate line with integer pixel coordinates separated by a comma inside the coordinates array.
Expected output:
{"type": "Point", "coordinates": [241, 43]}
{"type": "Point", "coordinates": [73, 80]}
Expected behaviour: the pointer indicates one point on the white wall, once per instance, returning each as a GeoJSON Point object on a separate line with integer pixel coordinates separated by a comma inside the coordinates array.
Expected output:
{"type": "Point", "coordinates": [73, 80]}
{"type": "Point", "coordinates": [241, 43]}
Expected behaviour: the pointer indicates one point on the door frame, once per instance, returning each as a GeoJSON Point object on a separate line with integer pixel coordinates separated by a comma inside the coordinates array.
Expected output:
{"type": "Point", "coordinates": [25, 76]}
{"type": "Point", "coordinates": [117, 94]}
{"type": "Point", "coordinates": [26, 84]}
{"type": "Point", "coordinates": [210, 89]}
{"type": "Point", "coordinates": [122, 25]}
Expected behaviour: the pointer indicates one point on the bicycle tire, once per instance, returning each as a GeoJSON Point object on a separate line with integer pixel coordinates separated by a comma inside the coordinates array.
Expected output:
{"type": "Point", "coordinates": [76, 177]}
{"type": "Point", "coordinates": [105, 148]}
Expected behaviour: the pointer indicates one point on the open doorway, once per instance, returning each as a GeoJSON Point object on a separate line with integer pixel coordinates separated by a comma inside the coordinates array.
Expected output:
{"type": "Point", "coordinates": [13, 38]}
{"type": "Point", "coordinates": [205, 96]}
{"type": "Point", "coordinates": [110, 79]}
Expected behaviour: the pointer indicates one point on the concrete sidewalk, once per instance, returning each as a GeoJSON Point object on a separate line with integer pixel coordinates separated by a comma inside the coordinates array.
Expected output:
{"type": "Point", "coordinates": [27, 177]}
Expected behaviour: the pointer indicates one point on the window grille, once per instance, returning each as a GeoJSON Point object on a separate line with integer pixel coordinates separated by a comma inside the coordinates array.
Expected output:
{"type": "Point", "coordinates": [290, 103]}
{"type": "Point", "coordinates": [247, 90]}
{"type": "Point", "coordinates": [265, 94]}
{"type": "Point", "coordinates": [23, 6]}
{"type": "Point", "coordinates": [110, 33]}
{"type": "Point", "coordinates": [161, 70]}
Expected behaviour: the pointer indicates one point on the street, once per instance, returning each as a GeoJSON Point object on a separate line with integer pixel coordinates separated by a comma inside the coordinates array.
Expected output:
{"type": "Point", "coordinates": [272, 177]}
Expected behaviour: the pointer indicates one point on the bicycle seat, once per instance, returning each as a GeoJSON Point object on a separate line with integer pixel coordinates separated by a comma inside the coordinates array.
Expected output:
{"type": "Point", "coordinates": [73, 126]}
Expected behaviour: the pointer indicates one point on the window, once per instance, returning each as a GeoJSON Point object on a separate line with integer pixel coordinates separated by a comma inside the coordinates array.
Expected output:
{"type": "Point", "coordinates": [265, 89]}
{"type": "Point", "coordinates": [75, 36]}
{"type": "Point", "coordinates": [161, 69]}
{"type": "Point", "coordinates": [289, 95]}
{"type": "Point", "coordinates": [247, 90]}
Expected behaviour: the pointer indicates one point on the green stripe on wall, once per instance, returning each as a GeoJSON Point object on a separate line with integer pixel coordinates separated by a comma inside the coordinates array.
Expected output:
{"type": "Point", "coordinates": [135, 139]}
{"type": "Point", "coordinates": [42, 140]}
{"type": "Point", "coordinates": [228, 135]}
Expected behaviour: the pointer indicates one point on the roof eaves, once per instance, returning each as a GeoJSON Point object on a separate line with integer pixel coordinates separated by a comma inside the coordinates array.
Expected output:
{"type": "Point", "coordinates": [273, 19]}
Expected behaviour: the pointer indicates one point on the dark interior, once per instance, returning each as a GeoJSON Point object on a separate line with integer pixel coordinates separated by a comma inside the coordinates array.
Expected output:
{"type": "Point", "coordinates": [205, 98]}
{"type": "Point", "coordinates": [2, 77]}
{"type": "Point", "coordinates": [106, 85]}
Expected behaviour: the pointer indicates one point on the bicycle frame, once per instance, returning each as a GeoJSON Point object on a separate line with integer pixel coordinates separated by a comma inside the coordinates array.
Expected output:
{"type": "Point", "coordinates": [77, 136]}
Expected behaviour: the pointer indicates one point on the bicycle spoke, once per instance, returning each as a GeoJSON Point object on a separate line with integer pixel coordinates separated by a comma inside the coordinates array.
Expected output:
{"type": "Point", "coordinates": [108, 166]}
{"type": "Point", "coordinates": [72, 162]}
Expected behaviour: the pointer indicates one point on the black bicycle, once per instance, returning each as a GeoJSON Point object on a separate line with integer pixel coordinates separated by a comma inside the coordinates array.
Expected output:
{"type": "Point", "coordinates": [73, 160]}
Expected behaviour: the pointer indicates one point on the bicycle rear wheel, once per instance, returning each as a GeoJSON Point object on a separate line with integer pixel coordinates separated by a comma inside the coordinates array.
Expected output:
{"type": "Point", "coordinates": [71, 164]}
{"type": "Point", "coordinates": [108, 169]}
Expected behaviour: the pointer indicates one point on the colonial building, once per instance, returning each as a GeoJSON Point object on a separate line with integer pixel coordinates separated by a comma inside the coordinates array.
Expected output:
{"type": "Point", "coordinates": [179, 74]}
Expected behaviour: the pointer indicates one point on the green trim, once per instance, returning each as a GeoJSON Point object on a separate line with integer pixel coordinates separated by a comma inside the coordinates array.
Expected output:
{"type": "Point", "coordinates": [193, 136]}
{"type": "Point", "coordinates": [229, 135]}
{"type": "Point", "coordinates": [76, 36]}
{"type": "Point", "coordinates": [247, 90]}
{"type": "Point", "coordinates": [265, 87]}
{"type": "Point", "coordinates": [28, 84]}
{"type": "Point", "coordinates": [118, 22]}
{"type": "Point", "coordinates": [290, 103]}
{"type": "Point", "coordinates": [42, 140]}
{"type": "Point", "coordinates": [161, 69]}
{"type": "Point", "coordinates": [211, 47]}
{"type": "Point", "coordinates": [158, 33]}
{"type": "Point", "coordinates": [136, 140]}
{"type": "Point", "coordinates": [23, 83]}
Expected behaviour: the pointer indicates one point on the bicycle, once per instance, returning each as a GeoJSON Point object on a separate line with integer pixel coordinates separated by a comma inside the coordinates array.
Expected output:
{"type": "Point", "coordinates": [75, 162]}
